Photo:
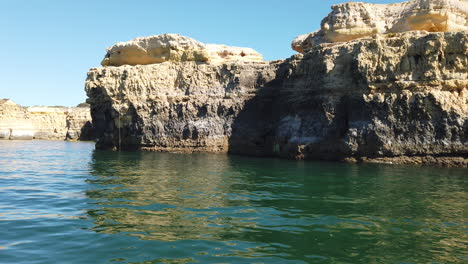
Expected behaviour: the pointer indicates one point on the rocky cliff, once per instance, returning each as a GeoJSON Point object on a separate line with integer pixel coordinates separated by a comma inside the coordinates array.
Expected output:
{"type": "Point", "coordinates": [355, 20]}
{"type": "Point", "coordinates": [51, 123]}
{"type": "Point", "coordinates": [399, 97]}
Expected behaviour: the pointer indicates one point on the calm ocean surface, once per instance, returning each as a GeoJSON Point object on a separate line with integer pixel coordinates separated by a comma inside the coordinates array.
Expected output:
{"type": "Point", "coordinates": [63, 202]}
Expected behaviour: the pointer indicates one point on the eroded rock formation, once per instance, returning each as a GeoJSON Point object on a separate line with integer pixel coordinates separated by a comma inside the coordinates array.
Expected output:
{"type": "Point", "coordinates": [355, 20]}
{"type": "Point", "coordinates": [172, 106]}
{"type": "Point", "coordinates": [400, 98]}
{"type": "Point", "coordinates": [175, 48]}
{"type": "Point", "coordinates": [42, 122]}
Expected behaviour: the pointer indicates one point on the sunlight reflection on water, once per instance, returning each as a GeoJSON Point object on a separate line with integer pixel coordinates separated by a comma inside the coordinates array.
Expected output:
{"type": "Point", "coordinates": [60, 201]}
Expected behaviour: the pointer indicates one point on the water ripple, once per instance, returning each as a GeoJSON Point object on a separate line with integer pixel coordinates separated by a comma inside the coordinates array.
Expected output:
{"type": "Point", "coordinates": [63, 202]}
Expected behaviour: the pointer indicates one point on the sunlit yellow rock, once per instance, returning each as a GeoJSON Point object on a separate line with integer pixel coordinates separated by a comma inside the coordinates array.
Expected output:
{"type": "Point", "coordinates": [175, 48]}
{"type": "Point", "coordinates": [355, 20]}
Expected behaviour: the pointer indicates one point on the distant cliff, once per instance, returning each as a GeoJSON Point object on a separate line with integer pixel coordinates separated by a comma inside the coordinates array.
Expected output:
{"type": "Point", "coordinates": [44, 122]}
{"type": "Point", "coordinates": [386, 97]}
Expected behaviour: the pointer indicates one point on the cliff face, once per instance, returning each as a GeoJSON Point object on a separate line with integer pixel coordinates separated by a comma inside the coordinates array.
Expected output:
{"type": "Point", "coordinates": [187, 106]}
{"type": "Point", "coordinates": [380, 97]}
{"type": "Point", "coordinates": [386, 96]}
{"type": "Point", "coordinates": [51, 123]}
{"type": "Point", "coordinates": [400, 97]}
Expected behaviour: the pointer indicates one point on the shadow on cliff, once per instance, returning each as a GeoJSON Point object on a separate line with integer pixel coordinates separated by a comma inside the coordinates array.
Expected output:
{"type": "Point", "coordinates": [296, 115]}
{"type": "Point", "coordinates": [114, 130]}
{"type": "Point", "coordinates": [314, 111]}
{"type": "Point", "coordinates": [304, 113]}
{"type": "Point", "coordinates": [87, 132]}
{"type": "Point", "coordinates": [253, 129]}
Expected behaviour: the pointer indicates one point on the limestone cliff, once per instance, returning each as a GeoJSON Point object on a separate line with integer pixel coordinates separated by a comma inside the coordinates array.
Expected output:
{"type": "Point", "coordinates": [51, 123]}
{"type": "Point", "coordinates": [399, 97]}
{"type": "Point", "coordinates": [386, 96]}
{"type": "Point", "coordinates": [172, 106]}
{"type": "Point", "coordinates": [173, 47]}
{"type": "Point", "coordinates": [355, 20]}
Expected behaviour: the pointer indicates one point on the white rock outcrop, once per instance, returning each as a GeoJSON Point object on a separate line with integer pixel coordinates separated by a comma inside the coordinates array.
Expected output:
{"type": "Point", "coordinates": [222, 53]}
{"type": "Point", "coordinates": [355, 20]}
{"type": "Point", "coordinates": [173, 47]}
{"type": "Point", "coordinates": [44, 122]}
{"type": "Point", "coordinates": [14, 116]}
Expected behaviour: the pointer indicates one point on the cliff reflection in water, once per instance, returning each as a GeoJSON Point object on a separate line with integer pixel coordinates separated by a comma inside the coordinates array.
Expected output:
{"type": "Point", "coordinates": [352, 212]}
{"type": "Point", "coordinates": [164, 196]}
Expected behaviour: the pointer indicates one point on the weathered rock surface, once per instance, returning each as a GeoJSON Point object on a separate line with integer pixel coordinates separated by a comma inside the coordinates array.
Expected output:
{"type": "Point", "coordinates": [172, 106]}
{"type": "Point", "coordinates": [51, 123]}
{"type": "Point", "coordinates": [355, 20]}
{"type": "Point", "coordinates": [387, 96]}
{"type": "Point", "coordinates": [223, 53]}
{"type": "Point", "coordinates": [175, 48]}
{"type": "Point", "coordinates": [13, 115]}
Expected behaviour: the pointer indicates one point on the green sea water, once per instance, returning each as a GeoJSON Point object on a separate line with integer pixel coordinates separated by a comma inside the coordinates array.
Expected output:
{"type": "Point", "coordinates": [63, 202]}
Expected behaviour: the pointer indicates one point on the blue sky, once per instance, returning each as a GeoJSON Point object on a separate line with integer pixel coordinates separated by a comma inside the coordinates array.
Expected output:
{"type": "Point", "coordinates": [48, 46]}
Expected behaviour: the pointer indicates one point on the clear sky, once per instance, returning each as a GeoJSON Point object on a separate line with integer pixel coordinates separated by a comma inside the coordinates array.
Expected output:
{"type": "Point", "coordinates": [46, 47]}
